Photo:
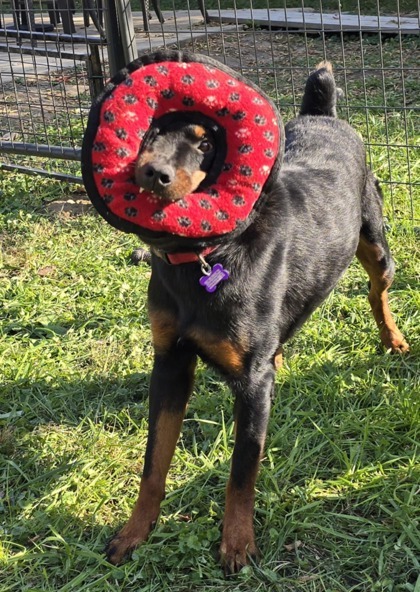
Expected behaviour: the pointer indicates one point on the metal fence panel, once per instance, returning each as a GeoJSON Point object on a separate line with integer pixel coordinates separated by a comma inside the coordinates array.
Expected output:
{"type": "Point", "coordinates": [48, 77]}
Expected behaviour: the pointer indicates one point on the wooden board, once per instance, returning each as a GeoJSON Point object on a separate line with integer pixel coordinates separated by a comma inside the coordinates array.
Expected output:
{"type": "Point", "coordinates": [315, 21]}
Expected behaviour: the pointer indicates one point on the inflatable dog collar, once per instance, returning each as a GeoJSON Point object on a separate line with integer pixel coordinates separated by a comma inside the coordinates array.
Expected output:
{"type": "Point", "coordinates": [149, 93]}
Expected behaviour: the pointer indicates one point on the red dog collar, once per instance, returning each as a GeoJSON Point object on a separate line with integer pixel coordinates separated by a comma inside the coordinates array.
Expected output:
{"type": "Point", "coordinates": [187, 257]}
{"type": "Point", "coordinates": [193, 86]}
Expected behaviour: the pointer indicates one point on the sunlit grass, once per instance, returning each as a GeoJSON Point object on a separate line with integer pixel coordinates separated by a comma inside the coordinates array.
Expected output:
{"type": "Point", "coordinates": [338, 494]}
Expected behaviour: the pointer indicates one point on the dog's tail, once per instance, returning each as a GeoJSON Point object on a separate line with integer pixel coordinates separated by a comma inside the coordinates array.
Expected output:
{"type": "Point", "coordinates": [321, 93]}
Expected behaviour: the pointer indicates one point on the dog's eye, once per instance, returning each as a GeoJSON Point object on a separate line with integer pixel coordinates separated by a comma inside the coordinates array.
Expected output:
{"type": "Point", "coordinates": [205, 146]}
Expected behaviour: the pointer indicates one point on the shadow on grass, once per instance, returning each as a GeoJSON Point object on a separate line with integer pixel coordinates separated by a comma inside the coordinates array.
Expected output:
{"type": "Point", "coordinates": [73, 451]}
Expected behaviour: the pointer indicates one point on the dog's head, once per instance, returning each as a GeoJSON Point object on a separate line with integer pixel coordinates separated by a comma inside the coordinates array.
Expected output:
{"type": "Point", "coordinates": [180, 148]}
{"type": "Point", "coordinates": [175, 159]}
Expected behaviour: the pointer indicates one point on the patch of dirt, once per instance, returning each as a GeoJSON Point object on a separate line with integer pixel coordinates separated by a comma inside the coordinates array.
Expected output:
{"type": "Point", "coordinates": [76, 204]}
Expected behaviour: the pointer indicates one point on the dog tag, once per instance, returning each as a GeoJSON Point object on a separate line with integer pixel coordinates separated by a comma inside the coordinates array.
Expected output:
{"type": "Point", "coordinates": [213, 277]}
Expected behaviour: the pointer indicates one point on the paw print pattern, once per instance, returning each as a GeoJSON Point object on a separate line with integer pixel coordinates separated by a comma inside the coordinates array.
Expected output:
{"type": "Point", "coordinates": [205, 204]}
{"type": "Point", "coordinates": [239, 115]}
{"type": "Point", "coordinates": [238, 200]}
{"type": "Point", "coordinates": [130, 196]}
{"type": "Point", "coordinates": [268, 135]}
{"type": "Point", "coordinates": [260, 120]}
{"type": "Point", "coordinates": [122, 152]}
{"type": "Point", "coordinates": [130, 99]}
{"type": "Point", "coordinates": [167, 93]}
{"type": "Point", "coordinates": [158, 216]}
{"type": "Point", "coordinates": [157, 88]}
{"type": "Point", "coordinates": [188, 79]}
{"type": "Point", "coordinates": [109, 116]}
{"type": "Point", "coordinates": [184, 222]}
{"type": "Point", "coordinates": [150, 81]}
{"type": "Point", "coordinates": [245, 149]}
{"type": "Point", "coordinates": [152, 103]}
{"type": "Point", "coordinates": [213, 192]}
{"type": "Point", "coordinates": [245, 170]}
{"type": "Point", "coordinates": [121, 133]}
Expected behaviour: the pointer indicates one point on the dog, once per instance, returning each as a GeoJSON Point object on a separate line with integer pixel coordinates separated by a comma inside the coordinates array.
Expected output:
{"type": "Point", "coordinates": [174, 161]}
{"type": "Point", "coordinates": [326, 207]}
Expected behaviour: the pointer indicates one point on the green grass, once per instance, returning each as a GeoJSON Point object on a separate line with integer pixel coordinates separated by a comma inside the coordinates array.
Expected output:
{"type": "Point", "coordinates": [338, 494]}
{"type": "Point", "coordinates": [337, 502]}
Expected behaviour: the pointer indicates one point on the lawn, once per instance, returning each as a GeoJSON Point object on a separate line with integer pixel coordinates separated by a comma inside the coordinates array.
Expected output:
{"type": "Point", "coordinates": [337, 506]}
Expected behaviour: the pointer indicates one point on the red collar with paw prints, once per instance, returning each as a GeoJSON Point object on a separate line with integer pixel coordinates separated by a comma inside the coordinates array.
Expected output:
{"type": "Point", "coordinates": [155, 87]}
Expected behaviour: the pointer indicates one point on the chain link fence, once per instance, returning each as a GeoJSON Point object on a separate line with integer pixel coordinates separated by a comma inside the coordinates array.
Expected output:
{"type": "Point", "coordinates": [55, 56]}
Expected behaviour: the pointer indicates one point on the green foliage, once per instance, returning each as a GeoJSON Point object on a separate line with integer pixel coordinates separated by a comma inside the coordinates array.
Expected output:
{"type": "Point", "coordinates": [337, 502]}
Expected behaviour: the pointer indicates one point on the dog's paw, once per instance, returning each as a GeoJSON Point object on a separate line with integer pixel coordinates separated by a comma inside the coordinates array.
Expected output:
{"type": "Point", "coordinates": [394, 340]}
{"type": "Point", "coordinates": [120, 547]}
{"type": "Point", "coordinates": [234, 555]}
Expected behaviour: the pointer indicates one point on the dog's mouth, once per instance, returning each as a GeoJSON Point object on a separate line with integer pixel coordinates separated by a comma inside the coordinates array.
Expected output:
{"type": "Point", "coordinates": [166, 183]}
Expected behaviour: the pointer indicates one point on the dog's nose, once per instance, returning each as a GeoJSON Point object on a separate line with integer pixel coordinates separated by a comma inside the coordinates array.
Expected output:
{"type": "Point", "coordinates": [154, 176]}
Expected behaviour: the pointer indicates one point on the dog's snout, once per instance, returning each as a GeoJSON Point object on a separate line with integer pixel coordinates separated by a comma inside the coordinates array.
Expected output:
{"type": "Point", "coordinates": [154, 176]}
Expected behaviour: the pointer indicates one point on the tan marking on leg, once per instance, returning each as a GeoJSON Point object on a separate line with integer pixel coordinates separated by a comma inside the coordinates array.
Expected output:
{"type": "Point", "coordinates": [152, 489]}
{"type": "Point", "coordinates": [278, 359]}
{"type": "Point", "coordinates": [164, 330]}
{"type": "Point", "coordinates": [370, 256]}
{"type": "Point", "coordinates": [238, 539]}
{"type": "Point", "coordinates": [223, 352]}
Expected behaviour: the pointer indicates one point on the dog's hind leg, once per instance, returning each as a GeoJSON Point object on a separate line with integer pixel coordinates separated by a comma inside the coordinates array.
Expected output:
{"type": "Point", "coordinates": [171, 384]}
{"type": "Point", "coordinates": [373, 253]}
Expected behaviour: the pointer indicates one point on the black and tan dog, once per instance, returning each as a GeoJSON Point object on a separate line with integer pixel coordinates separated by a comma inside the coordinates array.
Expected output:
{"type": "Point", "coordinates": [326, 207]}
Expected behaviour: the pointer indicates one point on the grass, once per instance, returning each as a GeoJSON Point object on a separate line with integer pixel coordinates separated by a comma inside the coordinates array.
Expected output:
{"type": "Point", "coordinates": [338, 494]}
{"type": "Point", "coordinates": [337, 502]}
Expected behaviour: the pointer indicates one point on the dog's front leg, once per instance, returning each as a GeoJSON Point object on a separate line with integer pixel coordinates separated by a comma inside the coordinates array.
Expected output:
{"type": "Point", "coordinates": [170, 387]}
{"type": "Point", "coordinates": [252, 407]}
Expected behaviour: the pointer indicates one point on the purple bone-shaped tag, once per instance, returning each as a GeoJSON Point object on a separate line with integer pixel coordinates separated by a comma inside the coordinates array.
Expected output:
{"type": "Point", "coordinates": [214, 277]}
